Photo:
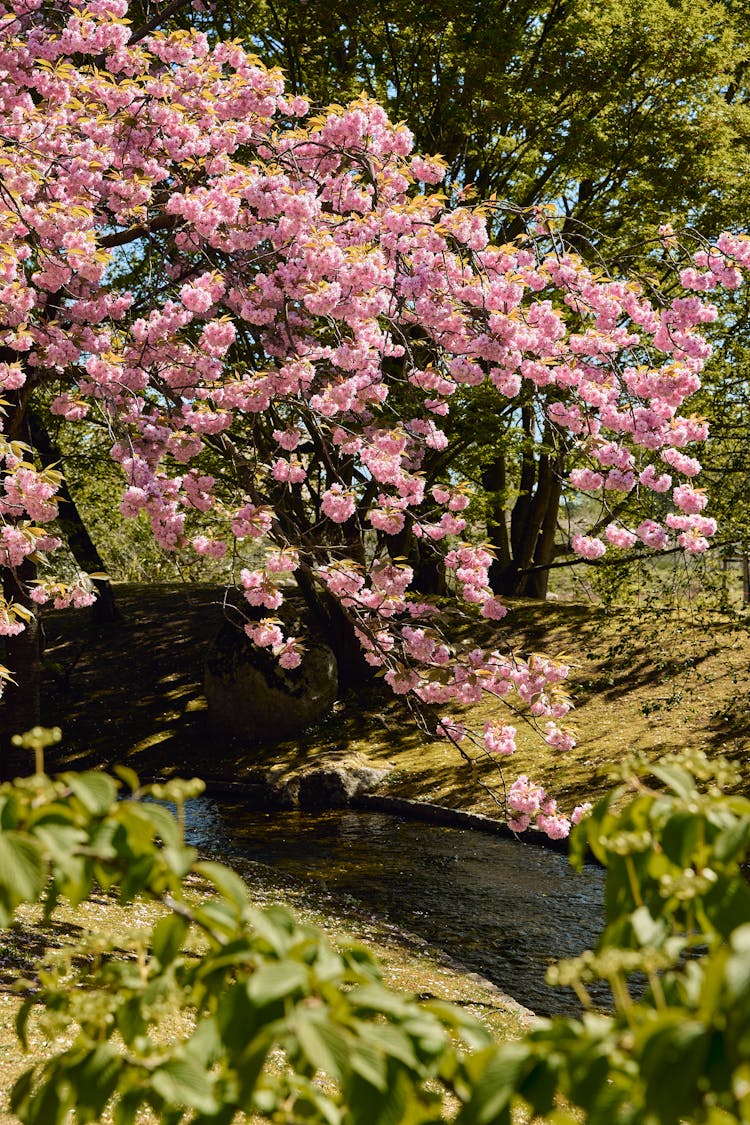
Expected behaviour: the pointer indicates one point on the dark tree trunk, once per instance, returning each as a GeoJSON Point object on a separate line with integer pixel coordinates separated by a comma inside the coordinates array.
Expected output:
{"type": "Point", "coordinates": [503, 575]}
{"type": "Point", "coordinates": [82, 546]}
{"type": "Point", "coordinates": [338, 631]}
{"type": "Point", "coordinates": [537, 581]}
{"type": "Point", "coordinates": [353, 669]}
{"type": "Point", "coordinates": [429, 572]}
{"type": "Point", "coordinates": [428, 566]}
{"type": "Point", "coordinates": [21, 700]}
{"type": "Point", "coordinates": [530, 544]}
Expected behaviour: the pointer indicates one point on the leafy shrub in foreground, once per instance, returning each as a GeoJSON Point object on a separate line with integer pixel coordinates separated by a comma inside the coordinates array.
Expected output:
{"type": "Point", "coordinates": [278, 1024]}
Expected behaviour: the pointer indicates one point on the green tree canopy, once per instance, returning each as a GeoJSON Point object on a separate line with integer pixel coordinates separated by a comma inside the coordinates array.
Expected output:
{"type": "Point", "coordinates": [624, 113]}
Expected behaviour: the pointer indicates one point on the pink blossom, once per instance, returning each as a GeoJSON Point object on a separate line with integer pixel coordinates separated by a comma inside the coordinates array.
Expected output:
{"type": "Point", "coordinates": [264, 635]}
{"type": "Point", "coordinates": [287, 439]}
{"type": "Point", "coordinates": [657, 483]}
{"type": "Point", "coordinates": [552, 822]}
{"type": "Point", "coordinates": [338, 504]}
{"type": "Point", "coordinates": [499, 739]}
{"type": "Point", "coordinates": [450, 729]}
{"type": "Point", "coordinates": [652, 534]}
{"type": "Point", "coordinates": [524, 796]}
{"type": "Point", "coordinates": [580, 812]}
{"type": "Point", "coordinates": [586, 479]}
{"type": "Point", "coordinates": [689, 499]}
{"type": "Point", "coordinates": [561, 739]}
{"type": "Point", "coordinates": [619, 536]}
{"type": "Point", "coordinates": [211, 548]}
{"type": "Point", "coordinates": [588, 547]}
{"type": "Point", "coordinates": [288, 472]}
{"type": "Point", "coordinates": [493, 609]}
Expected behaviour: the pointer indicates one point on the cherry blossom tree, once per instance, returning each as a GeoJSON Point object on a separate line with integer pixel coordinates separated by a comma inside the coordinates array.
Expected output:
{"type": "Point", "coordinates": [225, 279]}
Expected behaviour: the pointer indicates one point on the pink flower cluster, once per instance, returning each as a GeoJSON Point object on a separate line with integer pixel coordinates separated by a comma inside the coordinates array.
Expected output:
{"type": "Point", "coordinates": [529, 804]}
{"type": "Point", "coordinates": [330, 257]}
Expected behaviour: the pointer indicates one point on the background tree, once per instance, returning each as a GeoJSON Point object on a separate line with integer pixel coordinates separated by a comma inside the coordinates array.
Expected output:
{"type": "Point", "coordinates": [591, 109]}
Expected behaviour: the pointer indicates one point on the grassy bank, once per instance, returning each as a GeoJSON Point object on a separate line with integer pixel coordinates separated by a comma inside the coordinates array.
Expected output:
{"type": "Point", "coordinates": [648, 681]}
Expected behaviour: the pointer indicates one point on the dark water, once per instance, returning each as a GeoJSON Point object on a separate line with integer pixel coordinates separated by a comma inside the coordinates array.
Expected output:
{"type": "Point", "coordinates": [501, 908]}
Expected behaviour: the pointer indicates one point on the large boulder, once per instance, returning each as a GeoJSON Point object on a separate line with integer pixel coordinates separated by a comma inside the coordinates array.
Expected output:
{"type": "Point", "coordinates": [332, 785]}
{"type": "Point", "coordinates": [251, 697]}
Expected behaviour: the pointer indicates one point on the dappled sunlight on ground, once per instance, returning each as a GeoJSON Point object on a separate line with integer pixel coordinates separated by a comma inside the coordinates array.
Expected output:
{"type": "Point", "coordinates": [132, 692]}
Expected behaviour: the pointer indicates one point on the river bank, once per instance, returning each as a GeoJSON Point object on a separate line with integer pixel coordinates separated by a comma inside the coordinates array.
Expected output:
{"type": "Point", "coordinates": [649, 682]}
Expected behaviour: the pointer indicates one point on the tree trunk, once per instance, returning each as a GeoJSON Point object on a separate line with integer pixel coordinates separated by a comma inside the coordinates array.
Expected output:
{"type": "Point", "coordinates": [82, 546]}
{"type": "Point", "coordinates": [503, 573]}
{"type": "Point", "coordinates": [338, 631]}
{"type": "Point", "coordinates": [428, 566]}
{"type": "Point", "coordinates": [533, 518]}
{"type": "Point", "coordinates": [21, 700]}
{"type": "Point", "coordinates": [353, 669]}
{"type": "Point", "coordinates": [537, 581]}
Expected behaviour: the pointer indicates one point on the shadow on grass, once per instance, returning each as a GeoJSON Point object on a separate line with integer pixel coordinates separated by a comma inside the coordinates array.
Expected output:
{"type": "Point", "coordinates": [131, 692]}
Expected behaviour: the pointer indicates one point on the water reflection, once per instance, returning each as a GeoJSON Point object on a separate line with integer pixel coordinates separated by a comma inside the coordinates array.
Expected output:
{"type": "Point", "coordinates": [503, 909]}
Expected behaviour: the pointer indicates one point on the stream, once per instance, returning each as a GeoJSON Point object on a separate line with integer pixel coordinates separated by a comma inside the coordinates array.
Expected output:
{"type": "Point", "coordinates": [501, 908]}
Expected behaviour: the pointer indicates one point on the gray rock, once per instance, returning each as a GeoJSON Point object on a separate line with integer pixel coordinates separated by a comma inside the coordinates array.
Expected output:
{"type": "Point", "coordinates": [251, 697]}
{"type": "Point", "coordinates": [332, 786]}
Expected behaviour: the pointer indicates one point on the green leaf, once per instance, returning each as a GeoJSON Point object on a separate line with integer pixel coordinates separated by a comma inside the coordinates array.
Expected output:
{"type": "Point", "coordinates": [675, 778]}
{"type": "Point", "coordinates": [126, 1109]}
{"type": "Point", "coordinates": [22, 1021]}
{"type": "Point", "coordinates": [186, 1082]}
{"type": "Point", "coordinates": [731, 844]}
{"type": "Point", "coordinates": [94, 1080]}
{"type": "Point", "coordinates": [492, 1093]}
{"type": "Point", "coordinates": [76, 879]}
{"type": "Point", "coordinates": [680, 836]}
{"type": "Point", "coordinates": [369, 1106]}
{"type": "Point", "coordinates": [738, 965]}
{"type": "Point", "coordinates": [52, 1101]}
{"type": "Point", "coordinates": [377, 998]}
{"type": "Point", "coordinates": [20, 1093]}
{"type": "Point", "coordinates": [370, 1064]}
{"type": "Point", "coordinates": [22, 873]}
{"type": "Point", "coordinates": [205, 1042]}
{"type": "Point", "coordinates": [326, 1048]}
{"type": "Point", "coordinates": [179, 859]}
{"type": "Point", "coordinates": [60, 840]}
{"type": "Point", "coordinates": [647, 929]}
{"type": "Point", "coordinates": [130, 1019]}
{"type": "Point", "coordinates": [672, 1061]}
{"type": "Point", "coordinates": [392, 1041]}
{"type": "Point", "coordinates": [130, 777]}
{"type": "Point", "coordinates": [276, 980]}
{"type": "Point", "coordinates": [158, 818]}
{"type": "Point", "coordinates": [97, 792]}
{"type": "Point", "coordinates": [591, 832]}
{"type": "Point", "coordinates": [473, 1033]}
{"type": "Point", "coordinates": [167, 938]}
{"type": "Point", "coordinates": [538, 1086]}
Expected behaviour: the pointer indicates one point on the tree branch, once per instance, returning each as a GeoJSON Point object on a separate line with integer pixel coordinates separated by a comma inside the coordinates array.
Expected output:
{"type": "Point", "coordinates": [155, 21]}
{"type": "Point", "coordinates": [140, 230]}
